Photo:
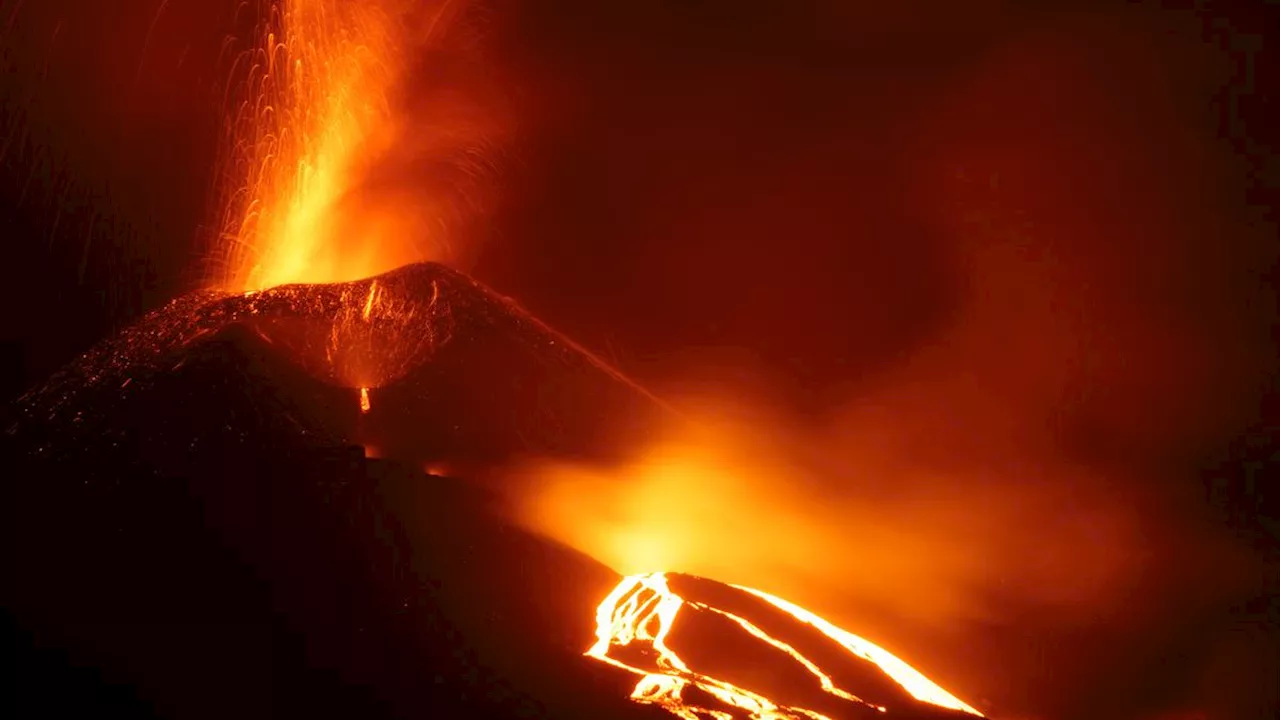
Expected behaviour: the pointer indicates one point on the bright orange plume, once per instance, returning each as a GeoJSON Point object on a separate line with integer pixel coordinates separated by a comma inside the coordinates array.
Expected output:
{"type": "Point", "coordinates": [329, 177]}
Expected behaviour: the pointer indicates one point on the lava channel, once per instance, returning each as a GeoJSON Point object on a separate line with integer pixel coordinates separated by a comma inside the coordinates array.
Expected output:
{"type": "Point", "coordinates": [637, 631]}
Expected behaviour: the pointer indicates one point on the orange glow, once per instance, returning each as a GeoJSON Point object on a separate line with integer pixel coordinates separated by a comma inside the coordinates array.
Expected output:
{"type": "Point", "coordinates": [902, 546]}
{"type": "Point", "coordinates": [319, 83]}
{"type": "Point", "coordinates": [368, 303]}
{"type": "Point", "coordinates": [362, 334]}
{"type": "Point", "coordinates": [643, 609]}
{"type": "Point", "coordinates": [920, 687]}
{"type": "Point", "coordinates": [842, 520]}
{"type": "Point", "coordinates": [312, 125]}
{"type": "Point", "coordinates": [437, 469]}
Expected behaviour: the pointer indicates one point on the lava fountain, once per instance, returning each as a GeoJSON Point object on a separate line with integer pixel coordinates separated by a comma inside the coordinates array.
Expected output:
{"type": "Point", "coordinates": [313, 120]}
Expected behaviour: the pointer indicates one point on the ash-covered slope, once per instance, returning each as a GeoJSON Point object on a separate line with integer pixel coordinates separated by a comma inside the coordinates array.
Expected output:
{"type": "Point", "coordinates": [328, 587]}
{"type": "Point", "coordinates": [455, 373]}
{"type": "Point", "coordinates": [206, 547]}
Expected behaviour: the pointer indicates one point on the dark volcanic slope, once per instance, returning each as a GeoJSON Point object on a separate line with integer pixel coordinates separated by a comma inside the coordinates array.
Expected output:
{"type": "Point", "coordinates": [203, 545]}
{"type": "Point", "coordinates": [456, 372]}
{"type": "Point", "coordinates": [332, 588]}
{"type": "Point", "coordinates": [184, 519]}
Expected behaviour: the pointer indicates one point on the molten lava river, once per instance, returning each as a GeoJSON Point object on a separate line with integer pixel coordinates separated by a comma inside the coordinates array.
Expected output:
{"type": "Point", "coordinates": [705, 658]}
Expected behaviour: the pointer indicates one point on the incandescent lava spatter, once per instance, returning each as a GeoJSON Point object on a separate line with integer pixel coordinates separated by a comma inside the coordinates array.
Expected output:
{"type": "Point", "coordinates": [449, 371]}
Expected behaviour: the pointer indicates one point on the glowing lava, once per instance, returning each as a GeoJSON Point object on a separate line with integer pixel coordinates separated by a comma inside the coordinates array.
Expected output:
{"type": "Point", "coordinates": [311, 118]}
{"type": "Point", "coordinates": [364, 400]}
{"type": "Point", "coordinates": [633, 626]}
{"type": "Point", "coordinates": [315, 96]}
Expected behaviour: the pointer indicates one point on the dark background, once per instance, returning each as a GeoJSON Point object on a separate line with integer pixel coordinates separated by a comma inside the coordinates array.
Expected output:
{"type": "Point", "coordinates": [793, 197]}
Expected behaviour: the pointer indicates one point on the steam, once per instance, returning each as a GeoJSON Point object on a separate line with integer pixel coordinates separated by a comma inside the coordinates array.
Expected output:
{"type": "Point", "coordinates": [1033, 452]}
{"type": "Point", "coordinates": [438, 173]}
{"type": "Point", "coordinates": [949, 491]}
{"type": "Point", "coordinates": [745, 504]}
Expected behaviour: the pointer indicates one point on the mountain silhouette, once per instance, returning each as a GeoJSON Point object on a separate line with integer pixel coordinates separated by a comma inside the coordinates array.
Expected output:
{"type": "Point", "coordinates": [194, 525]}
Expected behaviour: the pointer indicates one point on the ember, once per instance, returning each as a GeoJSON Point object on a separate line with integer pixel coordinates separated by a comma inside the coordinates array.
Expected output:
{"type": "Point", "coordinates": [428, 339]}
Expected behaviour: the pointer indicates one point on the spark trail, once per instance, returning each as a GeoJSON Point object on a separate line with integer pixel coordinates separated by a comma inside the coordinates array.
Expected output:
{"type": "Point", "coordinates": [314, 101]}
{"type": "Point", "coordinates": [327, 175]}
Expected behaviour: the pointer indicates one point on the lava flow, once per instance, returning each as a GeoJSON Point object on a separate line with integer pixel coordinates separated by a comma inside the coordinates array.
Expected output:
{"type": "Point", "coordinates": [634, 626]}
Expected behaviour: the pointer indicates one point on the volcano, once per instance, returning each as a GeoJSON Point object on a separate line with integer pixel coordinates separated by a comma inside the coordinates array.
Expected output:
{"type": "Point", "coordinates": [466, 374]}
{"type": "Point", "coordinates": [226, 510]}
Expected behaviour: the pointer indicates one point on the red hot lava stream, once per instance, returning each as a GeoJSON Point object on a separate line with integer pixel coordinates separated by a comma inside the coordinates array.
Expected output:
{"type": "Point", "coordinates": [642, 610]}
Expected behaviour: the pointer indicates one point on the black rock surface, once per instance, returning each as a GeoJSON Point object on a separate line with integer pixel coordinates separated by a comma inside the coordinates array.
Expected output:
{"type": "Point", "coordinates": [455, 372]}
{"type": "Point", "coordinates": [191, 530]}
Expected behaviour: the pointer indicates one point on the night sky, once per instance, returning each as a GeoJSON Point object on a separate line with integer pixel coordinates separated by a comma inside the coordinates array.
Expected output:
{"type": "Point", "coordinates": [979, 218]}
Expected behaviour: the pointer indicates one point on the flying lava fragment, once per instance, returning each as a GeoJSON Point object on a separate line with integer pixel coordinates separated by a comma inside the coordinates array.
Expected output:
{"type": "Point", "coordinates": [462, 375]}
